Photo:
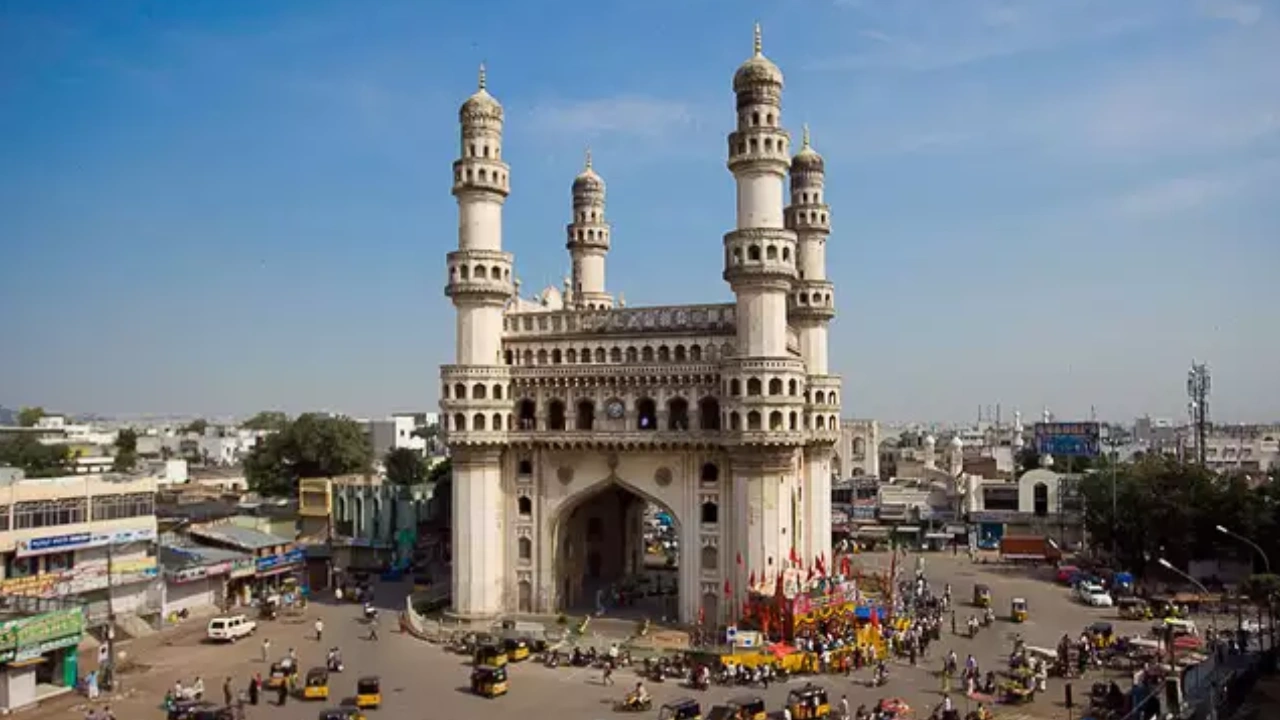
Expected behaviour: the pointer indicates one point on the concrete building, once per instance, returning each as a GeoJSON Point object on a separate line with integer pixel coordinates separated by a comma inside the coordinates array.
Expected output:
{"type": "Point", "coordinates": [360, 522]}
{"type": "Point", "coordinates": [858, 452]}
{"type": "Point", "coordinates": [277, 561]}
{"type": "Point", "coordinates": [397, 431]}
{"type": "Point", "coordinates": [88, 537]}
{"type": "Point", "coordinates": [571, 412]}
{"type": "Point", "coordinates": [40, 650]}
{"type": "Point", "coordinates": [198, 578]}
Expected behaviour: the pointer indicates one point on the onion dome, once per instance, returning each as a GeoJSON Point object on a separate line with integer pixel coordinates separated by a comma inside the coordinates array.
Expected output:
{"type": "Point", "coordinates": [957, 443]}
{"type": "Point", "coordinates": [930, 441]}
{"type": "Point", "coordinates": [808, 159]}
{"type": "Point", "coordinates": [757, 70]}
{"type": "Point", "coordinates": [481, 105]}
{"type": "Point", "coordinates": [588, 181]}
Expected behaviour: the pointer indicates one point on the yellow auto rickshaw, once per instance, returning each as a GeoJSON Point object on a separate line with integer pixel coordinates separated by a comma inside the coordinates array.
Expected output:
{"type": "Point", "coordinates": [317, 686]}
{"type": "Point", "coordinates": [369, 692]}
{"type": "Point", "coordinates": [1132, 608]}
{"type": "Point", "coordinates": [280, 674]}
{"type": "Point", "coordinates": [346, 712]}
{"type": "Point", "coordinates": [1018, 610]}
{"type": "Point", "coordinates": [808, 702]}
{"type": "Point", "coordinates": [748, 707]}
{"type": "Point", "coordinates": [517, 649]}
{"type": "Point", "coordinates": [981, 596]}
{"type": "Point", "coordinates": [490, 655]}
{"type": "Point", "coordinates": [682, 709]}
{"type": "Point", "coordinates": [489, 681]}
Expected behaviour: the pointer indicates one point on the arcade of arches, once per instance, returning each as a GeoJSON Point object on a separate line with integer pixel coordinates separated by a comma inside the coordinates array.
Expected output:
{"type": "Point", "coordinates": [612, 545]}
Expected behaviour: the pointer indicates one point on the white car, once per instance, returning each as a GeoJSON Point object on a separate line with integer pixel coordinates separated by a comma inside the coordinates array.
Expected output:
{"type": "Point", "coordinates": [1094, 596]}
{"type": "Point", "coordinates": [230, 628]}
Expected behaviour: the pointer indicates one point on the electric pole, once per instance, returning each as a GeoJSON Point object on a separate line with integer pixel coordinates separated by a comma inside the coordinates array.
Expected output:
{"type": "Point", "coordinates": [1198, 388]}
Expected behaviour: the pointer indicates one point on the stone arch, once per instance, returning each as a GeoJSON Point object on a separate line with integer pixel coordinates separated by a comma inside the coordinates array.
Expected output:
{"type": "Point", "coordinates": [710, 473]}
{"type": "Point", "coordinates": [646, 414]}
{"type": "Point", "coordinates": [708, 414]}
{"type": "Point", "coordinates": [478, 422]}
{"type": "Point", "coordinates": [709, 513]}
{"type": "Point", "coordinates": [562, 553]}
{"type": "Point", "coordinates": [775, 420]}
{"type": "Point", "coordinates": [527, 358]}
{"type": "Point", "coordinates": [480, 272]}
{"type": "Point", "coordinates": [678, 354]}
{"type": "Point", "coordinates": [542, 357]}
{"type": "Point", "coordinates": [820, 422]}
{"type": "Point", "coordinates": [677, 413]}
{"type": "Point", "coordinates": [775, 386]}
{"type": "Point", "coordinates": [792, 387]}
{"type": "Point", "coordinates": [525, 596]}
{"type": "Point", "coordinates": [615, 355]}
{"type": "Point", "coordinates": [556, 356]}
{"type": "Point", "coordinates": [753, 253]}
{"type": "Point", "coordinates": [753, 420]}
{"type": "Point", "coordinates": [585, 418]}
{"type": "Point", "coordinates": [459, 422]}
{"type": "Point", "coordinates": [571, 356]}
{"type": "Point", "coordinates": [791, 421]}
{"type": "Point", "coordinates": [735, 387]}
{"type": "Point", "coordinates": [633, 355]}
{"type": "Point", "coordinates": [859, 447]}
{"type": "Point", "coordinates": [735, 421]}
{"type": "Point", "coordinates": [527, 413]}
{"type": "Point", "coordinates": [754, 386]}
{"type": "Point", "coordinates": [664, 354]}
{"type": "Point", "coordinates": [497, 391]}
{"type": "Point", "coordinates": [771, 252]}
{"type": "Point", "coordinates": [524, 549]}
{"type": "Point", "coordinates": [497, 421]}
{"type": "Point", "coordinates": [1040, 499]}
{"type": "Point", "coordinates": [555, 414]}
{"type": "Point", "coordinates": [479, 391]}
{"type": "Point", "coordinates": [695, 353]}
{"type": "Point", "coordinates": [646, 354]}
{"type": "Point", "coordinates": [459, 392]}
{"type": "Point", "coordinates": [601, 355]}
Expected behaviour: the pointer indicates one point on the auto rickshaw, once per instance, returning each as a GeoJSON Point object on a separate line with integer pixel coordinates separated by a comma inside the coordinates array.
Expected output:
{"type": "Point", "coordinates": [1102, 635]}
{"type": "Point", "coordinates": [369, 692]}
{"type": "Point", "coordinates": [682, 709]}
{"type": "Point", "coordinates": [489, 681]}
{"type": "Point", "coordinates": [748, 707]}
{"type": "Point", "coordinates": [490, 655]}
{"type": "Point", "coordinates": [279, 675]}
{"type": "Point", "coordinates": [317, 687]}
{"type": "Point", "coordinates": [346, 712]}
{"type": "Point", "coordinates": [1132, 608]}
{"type": "Point", "coordinates": [808, 702]}
{"type": "Point", "coordinates": [517, 649]}
{"type": "Point", "coordinates": [981, 596]}
{"type": "Point", "coordinates": [1018, 610]}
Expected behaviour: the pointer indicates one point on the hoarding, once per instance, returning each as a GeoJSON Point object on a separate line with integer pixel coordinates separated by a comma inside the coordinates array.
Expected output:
{"type": "Point", "coordinates": [1068, 439]}
{"type": "Point", "coordinates": [82, 541]}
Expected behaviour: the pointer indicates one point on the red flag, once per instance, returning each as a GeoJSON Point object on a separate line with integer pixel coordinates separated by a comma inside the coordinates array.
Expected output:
{"type": "Point", "coordinates": [810, 579]}
{"type": "Point", "coordinates": [875, 617]}
{"type": "Point", "coordinates": [795, 559]}
{"type": "Point", "coordinates": [751, 581]}
{"type": "Point", "coordinates": [822, 566]}
{"type": "Point", "coordinates": [702, 614]}
{"type": "Point", "coordinates": [727, 591]}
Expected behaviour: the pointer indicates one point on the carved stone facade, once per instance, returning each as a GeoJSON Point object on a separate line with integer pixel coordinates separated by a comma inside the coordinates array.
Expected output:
{"type": "Point", "coordinates": [725, 415]}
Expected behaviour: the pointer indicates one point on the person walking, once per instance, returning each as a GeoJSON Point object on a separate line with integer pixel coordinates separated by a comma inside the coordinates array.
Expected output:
{"type": "Point", "coordinates": [844, 707]}
{"type": "Point", "coordinates": [282, 694]}
{"type": "Point", "coordinates": [266, 650]}
{"type": "Point", "coordinates": [227, 695]}
{"type": "Point", "coordinates": [255, 684]}
{"type": "Point", "coordinates": [319, 630]}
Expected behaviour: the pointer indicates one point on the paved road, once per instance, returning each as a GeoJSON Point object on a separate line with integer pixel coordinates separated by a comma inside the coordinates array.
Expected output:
{"type": "Point", "coordinates": [421, 681]}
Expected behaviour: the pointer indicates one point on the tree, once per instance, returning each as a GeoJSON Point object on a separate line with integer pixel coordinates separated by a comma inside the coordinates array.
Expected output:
{"type": "Point", "coordinates": [195, 427]}
{"type": "Point", "coordinates": [272, 420]}
{"type": "Point", "coordinates": [29, 416]}
{"type": "Point", "coordinates": [405, 466]}
{"type": "Point", "coordinates": [126, 450]}
{"type": "Point", "coordinates": [441, 471]}
{"type": "Point", "coordinates": [34, 457]}
{"type": "Point", "coordinates": [307, 447]}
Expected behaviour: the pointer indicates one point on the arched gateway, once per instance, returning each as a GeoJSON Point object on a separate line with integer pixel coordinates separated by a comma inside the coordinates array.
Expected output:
{"type": "Point", "coordinates": [570, 416]}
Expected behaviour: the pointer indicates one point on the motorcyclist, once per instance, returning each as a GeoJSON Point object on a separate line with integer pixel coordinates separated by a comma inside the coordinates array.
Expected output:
{"type": "Point", "coordinates": [882, 673]}
{"type": "Point", "coordinates": [639, 696]}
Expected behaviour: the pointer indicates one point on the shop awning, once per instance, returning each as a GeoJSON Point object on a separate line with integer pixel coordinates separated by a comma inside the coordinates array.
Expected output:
{"type": "Point", "coordinates": [939, 536]}
{"type": "Point", "coordinates": [907, 529]}
{"type": "Point", "coordinates": [872, 531]}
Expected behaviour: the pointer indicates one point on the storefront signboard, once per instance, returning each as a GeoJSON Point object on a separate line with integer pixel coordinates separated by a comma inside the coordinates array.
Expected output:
{"type": "Point", "coordinates": [81, 541]}
{"type": "Point", "coordinates": [272, 563]}
{"type": "Point", "coordinates": [82, 578]}
{"type": "Point", "coordinates": [242, 568]}
{"type": "Point", "coordinates": [995, 516]}
{"type": "Point", "coordinates": [191, 574]}
{"type": "Point", "coordinates": [22, 637]}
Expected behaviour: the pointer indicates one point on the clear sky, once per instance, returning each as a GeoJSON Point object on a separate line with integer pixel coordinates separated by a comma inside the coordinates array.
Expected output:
{"type": "Point", "coordinates": [219, 206]}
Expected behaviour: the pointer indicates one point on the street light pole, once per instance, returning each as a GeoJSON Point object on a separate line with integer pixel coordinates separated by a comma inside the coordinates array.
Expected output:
{"type": "Point", "coordinates": [1213, 618]}
{"type": "Point", "coordinates": [1266, 561]}
{"type": "Point", "coordinates": [1113, 443]}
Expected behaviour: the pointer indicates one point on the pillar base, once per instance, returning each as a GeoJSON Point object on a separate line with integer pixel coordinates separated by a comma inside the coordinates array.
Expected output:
{"type": "Point", "coordinates": [470, 618]}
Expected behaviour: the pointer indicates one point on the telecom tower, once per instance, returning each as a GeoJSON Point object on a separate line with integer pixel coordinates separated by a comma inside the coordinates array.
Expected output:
{"type": "Point", "coordinates": [1198, 386]}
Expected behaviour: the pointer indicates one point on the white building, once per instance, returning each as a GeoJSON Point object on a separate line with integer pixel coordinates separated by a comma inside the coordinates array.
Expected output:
{"type": "Point", "coordinates": [567, 415]}
{"type": "Point", "coordinates": [84, 536]}
{"type": "Point", "coordinates": [858, 452]}
{"type": "Point", "coordinates": [398, 431]}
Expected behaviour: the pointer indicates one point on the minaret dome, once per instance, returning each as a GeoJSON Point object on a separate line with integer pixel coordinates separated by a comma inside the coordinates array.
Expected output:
{"type": "Point", "coordinates": [481, 105]}
{"type": "Point", "coordinates": [758, 71]}
{"type": "Point", "coordinates": [807, 160]}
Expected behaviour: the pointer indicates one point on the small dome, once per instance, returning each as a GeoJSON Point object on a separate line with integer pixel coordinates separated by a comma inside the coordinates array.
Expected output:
{"type": "Point", "coordinates": [588, 181]}
{"type": "Point", "coordinates": [481, 104]}
{"type": "Point", "coordinates": [808, 159]}
{"type": "Point", "coordinates": [930, 440]}
{"type": "Point", "coordinates": [957, 443]}
{"type": "Point", "coordinates": [757, 70]}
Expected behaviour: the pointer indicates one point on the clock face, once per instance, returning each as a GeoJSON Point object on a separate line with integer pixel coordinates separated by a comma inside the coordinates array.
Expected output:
{"type": "Point", "coordinates": [615, 409]}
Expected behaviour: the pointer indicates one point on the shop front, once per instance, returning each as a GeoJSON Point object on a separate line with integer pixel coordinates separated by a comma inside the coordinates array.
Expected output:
{"type": "Point", "coordinates": [197, 579]}
{"type": "Point", "coordinates": [278, 573]}
{"type": "Point", "coordinates": [38, 656]}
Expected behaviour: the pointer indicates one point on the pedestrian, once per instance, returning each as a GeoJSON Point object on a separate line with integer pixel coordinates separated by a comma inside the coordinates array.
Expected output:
{"type": "Point", "coordinates": [373, 631]}
{"type": "Point", "coordinates": [282, 694]}
{"type": "Point", "coordinates": [227, 695]}
{"type": "Point", "coordinates": [844, 708]}
{"type": "Point", "coordinates": [255, 684]}
{"type": "Point", "coordinates": [107, 714]}
{"type": "Point", "coordinates": [319, 629]}
{"type": "Point", "coordinates": [607, 678]}
{"type": "Point", "coordinates": [91, 685]}
{"type": "Point", "coordinates": [953, 622]}
{"type": "Point", "coordinates": [266, 650]}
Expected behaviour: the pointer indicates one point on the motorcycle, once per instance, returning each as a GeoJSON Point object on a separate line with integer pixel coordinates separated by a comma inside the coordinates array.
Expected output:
{"type": "Point", "coordinates": [632, 703]}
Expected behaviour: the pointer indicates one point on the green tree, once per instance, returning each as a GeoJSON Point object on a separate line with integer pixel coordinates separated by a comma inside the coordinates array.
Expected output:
{"type": "Point", "coordinates": [267, 420]}
{"type": "Point", "coordinates": [29, 416]}
{"type": "Point", "coordinates": [126, 450]}
{"type": "Point", "coordinates": [35, 458]}
{"type": "Point", "coordinates": [441, 471]}
{"type": "Point", "coordinates": [405, 466]}
{"type": "Point", "coordinates": [310, 446]}
{"type": "Point", "coordinates": [196, 427]}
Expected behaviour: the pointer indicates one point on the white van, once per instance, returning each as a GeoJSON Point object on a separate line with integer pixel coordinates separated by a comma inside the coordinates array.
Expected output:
{"type": "Point", "coordinates": [230, 628]}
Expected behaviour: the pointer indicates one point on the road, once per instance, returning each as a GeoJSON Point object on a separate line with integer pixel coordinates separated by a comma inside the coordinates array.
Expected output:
{"type": "Point", "coordinates": [422, 681]}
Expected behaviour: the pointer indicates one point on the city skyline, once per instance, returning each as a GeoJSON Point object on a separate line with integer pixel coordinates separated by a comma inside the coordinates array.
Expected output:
{"type": "Point", "coordinates": [215, 212]}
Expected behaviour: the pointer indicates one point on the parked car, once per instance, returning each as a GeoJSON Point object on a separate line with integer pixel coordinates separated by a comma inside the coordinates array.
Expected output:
{"type": "Point", "coordinates": [1066, 573]}
{"type": "Point", "coordinates": [1093, 595]}
{"type": "Point", "coordinates": [230, 628]}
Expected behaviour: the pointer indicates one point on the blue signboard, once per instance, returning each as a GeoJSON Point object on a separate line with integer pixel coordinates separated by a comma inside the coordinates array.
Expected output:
{"type": "Point", "coordinates": [1079, 439]}
{"type": "Point", "coordinates": [271, 562]}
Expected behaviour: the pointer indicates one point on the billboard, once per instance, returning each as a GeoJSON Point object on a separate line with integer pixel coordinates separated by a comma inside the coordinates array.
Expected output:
{"type": "Point", "coordinates": [1068, 439]}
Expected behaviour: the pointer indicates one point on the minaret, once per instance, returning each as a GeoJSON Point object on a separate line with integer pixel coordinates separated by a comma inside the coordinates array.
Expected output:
{"type": "Point", "coordinates": [810, 309]}
{"type": "Point", "coordinates": [480, 284]}
{"type": "Point", "coordinates": [764, 382]}
{"type": "Point", "coordinates": [588, 240]}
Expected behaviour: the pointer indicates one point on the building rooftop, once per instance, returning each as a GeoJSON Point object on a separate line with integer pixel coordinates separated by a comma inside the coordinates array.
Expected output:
{"type": "Point", "coordinates": [177, 557]}
{"type": "Point", "coordinates": [240, 537]}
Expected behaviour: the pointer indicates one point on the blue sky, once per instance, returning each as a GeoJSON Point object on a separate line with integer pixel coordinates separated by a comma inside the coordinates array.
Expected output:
{"type": "Point", "coordinates": [217, 207]}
